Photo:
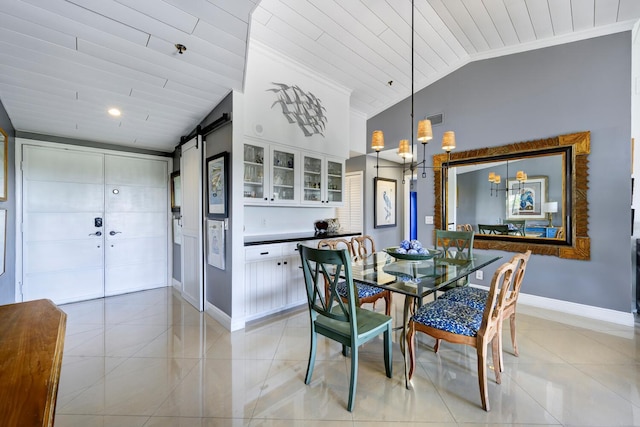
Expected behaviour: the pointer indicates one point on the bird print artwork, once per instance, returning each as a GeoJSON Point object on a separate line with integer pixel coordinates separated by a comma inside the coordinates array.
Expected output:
{"type": "Point", "coordinates": [387, 206]}
{"type": "Point", "coordinates": [385, 203]}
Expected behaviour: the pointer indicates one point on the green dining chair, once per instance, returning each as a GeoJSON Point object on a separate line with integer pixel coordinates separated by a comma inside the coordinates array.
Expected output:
{"type": "Point", "coordinates": [336, 319]}
{"type": "Point", "coordinates": [457, 245]}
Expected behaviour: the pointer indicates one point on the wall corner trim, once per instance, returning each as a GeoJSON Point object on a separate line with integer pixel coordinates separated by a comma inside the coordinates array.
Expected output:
{"type": "Point", "coordinates": [223, 318]}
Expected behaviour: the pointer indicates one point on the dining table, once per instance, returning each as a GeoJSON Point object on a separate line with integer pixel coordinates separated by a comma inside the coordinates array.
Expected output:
{"type": "Point", "coordinates": [416, 278]}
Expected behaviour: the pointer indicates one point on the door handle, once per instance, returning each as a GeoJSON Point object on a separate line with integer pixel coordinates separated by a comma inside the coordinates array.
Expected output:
{"type": "Point", "coordinates": [113, 233]}
{"type": "Point", "coordinates": [97, 233]}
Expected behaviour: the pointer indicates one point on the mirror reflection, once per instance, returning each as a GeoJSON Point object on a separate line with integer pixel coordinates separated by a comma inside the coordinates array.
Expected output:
{"type": "Point", "coordinates": [518, 197]}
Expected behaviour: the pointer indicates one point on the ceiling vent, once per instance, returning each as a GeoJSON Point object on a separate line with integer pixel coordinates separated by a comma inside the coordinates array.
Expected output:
{"type": "Point", "coordinates": [436, 119]}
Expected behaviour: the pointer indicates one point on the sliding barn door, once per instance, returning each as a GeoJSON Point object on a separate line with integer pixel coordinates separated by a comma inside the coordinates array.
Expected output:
{"type": "Point", "coordinates": [191, 211]}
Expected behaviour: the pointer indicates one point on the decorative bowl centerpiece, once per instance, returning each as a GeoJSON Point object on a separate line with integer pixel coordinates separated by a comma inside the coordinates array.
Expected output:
{"type": "Point", "coordinates": [412, 251]}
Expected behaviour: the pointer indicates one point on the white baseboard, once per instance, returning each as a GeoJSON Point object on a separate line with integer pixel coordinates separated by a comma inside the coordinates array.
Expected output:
{"type": "Point", "coordinates": [223, 318]}
{"type": "Point", "coordinates": [566, 307]}
{"type": "Point", "coordinates": [176, 283]}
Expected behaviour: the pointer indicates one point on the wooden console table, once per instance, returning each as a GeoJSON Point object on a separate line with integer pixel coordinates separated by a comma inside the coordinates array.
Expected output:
{"type": "Point", "coordinates": [31, 343]}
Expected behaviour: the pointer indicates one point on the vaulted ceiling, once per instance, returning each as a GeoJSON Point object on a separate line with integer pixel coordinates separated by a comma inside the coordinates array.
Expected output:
{"type": "Point", "coordinates": [66, 62]}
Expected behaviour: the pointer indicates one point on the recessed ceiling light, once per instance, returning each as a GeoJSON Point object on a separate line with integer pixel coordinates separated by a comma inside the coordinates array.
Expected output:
{"type": "Point", "coordinates": [114, 112]}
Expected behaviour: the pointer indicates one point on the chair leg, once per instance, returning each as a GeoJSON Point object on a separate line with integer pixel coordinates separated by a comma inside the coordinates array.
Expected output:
{"type": "Point", "coordinates": [387, 301]}
{"type": "Point", "coordinates": [354, 378]}
{"type": "Point", "coordinates": [388, 363]}
{"type": "Point", "coordinates": [500, 365]}
{"type": "Point", "coordinates": [410, 349]}
{"type": "Point", "coordinates": [512, 325]}
{"type": "Point", "coordinates": [496, 352]}
{"type": "Point", "coordinates": [345, 350]}
{"type": "Point", "coordinates": [312, 355]}
{"type": "Point", "coordinates": [482, 374]}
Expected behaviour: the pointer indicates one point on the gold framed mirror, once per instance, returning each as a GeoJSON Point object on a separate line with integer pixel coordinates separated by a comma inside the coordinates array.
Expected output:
{"type": "Point", "coordinates": [526, 195]}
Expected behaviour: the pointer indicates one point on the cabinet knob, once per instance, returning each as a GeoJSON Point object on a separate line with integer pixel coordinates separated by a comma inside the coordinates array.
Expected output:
{"type": "Point", "coordinates": [279, 263]}
{"type": "Point", "coordinates": [285, 263]}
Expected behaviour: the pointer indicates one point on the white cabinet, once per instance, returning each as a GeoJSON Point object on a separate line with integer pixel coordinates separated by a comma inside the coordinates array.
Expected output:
{"type": "Point", "coordinates": [285, 176]}
{"type": "Point", "coordinates": [271, 174]}
{"type": "Point", "coordinates": [273, 279]}
{"type": "Point", "coordinates": [322, 180]}
{"type": "Point", "coordinates": [255, 179]}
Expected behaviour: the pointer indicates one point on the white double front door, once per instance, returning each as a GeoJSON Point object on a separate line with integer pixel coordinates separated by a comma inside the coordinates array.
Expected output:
{"type": "Point", "coordinates": [94, 224]}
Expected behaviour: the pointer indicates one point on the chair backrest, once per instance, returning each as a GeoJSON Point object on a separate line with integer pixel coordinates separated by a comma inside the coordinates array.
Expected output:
{"type": "Point", "coordinates": [560, 233]}
{"type": "Point", "coordinates": [362, 246]}
{"type": "Point", "coordinates": [496, 300]}
{"type": "Point", "coordinates": [455, 244]}
{"type": "Point", "coordinates": [320, 266]}
{"type": "Point", "coordinates": [468, 227]}
{"type": "Point", "coordinates": [493, 229]}
{"type": "Point", "coordinates": [518, 224]}
{"type": "Point", "coordinates": [336, 244]}
{"type": "Point", "coordinates": [513, 291]}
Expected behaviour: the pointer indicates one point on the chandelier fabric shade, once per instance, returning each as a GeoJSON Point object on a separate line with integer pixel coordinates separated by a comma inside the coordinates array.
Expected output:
{"type": "Point", "coordinates": [449, 141]}
{"type": "Point", "coordinates": [521, 176]}
{"type": "Point", "coordinates": [404, 149]}
{"type": "Point", "coordinates": [377, 140]}
{"type": "Point", "coordinates": [425, 134]}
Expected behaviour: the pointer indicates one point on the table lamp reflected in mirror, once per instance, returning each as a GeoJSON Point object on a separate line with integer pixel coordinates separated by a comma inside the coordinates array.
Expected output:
{"type": "Point", "coordinates": [550, 208]}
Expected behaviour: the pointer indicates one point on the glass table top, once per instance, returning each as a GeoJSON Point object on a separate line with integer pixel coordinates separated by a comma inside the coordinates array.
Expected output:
{"type": "Point", "coordinates": [416, 278]}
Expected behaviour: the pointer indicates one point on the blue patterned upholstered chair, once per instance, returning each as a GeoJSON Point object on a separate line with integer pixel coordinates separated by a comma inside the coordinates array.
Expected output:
{"type": "Point", "coordinates": [477, 298]}
{"type": "Point", "coordinates": [341, 321]}
{"type": "Point", "coordinates": [461, 324]}
{"type": "Point", "coordinates": [366, 293]}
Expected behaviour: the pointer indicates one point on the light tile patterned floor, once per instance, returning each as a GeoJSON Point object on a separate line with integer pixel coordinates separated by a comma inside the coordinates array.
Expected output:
{"type": "Point", "coordinates": [150, 359]}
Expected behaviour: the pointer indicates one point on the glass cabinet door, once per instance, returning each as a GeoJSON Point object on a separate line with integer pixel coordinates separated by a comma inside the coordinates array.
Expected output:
{"type": "Point", "coordinates": [312, 184]}
{"type": "Point", "coordinates": [334, 181]}
{"type": "Point", "coordinates": [254, 185]}
{"type": "Point", "coordinates": [283, 176]}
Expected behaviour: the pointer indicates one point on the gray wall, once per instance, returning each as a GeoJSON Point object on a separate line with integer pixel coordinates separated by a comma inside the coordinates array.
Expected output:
{"type": "Point", "coordinates": [218, 282]}
{"type": "Point", "coordinates": [8, 279]}
{"type": "Point", "coordinates": [580, 86]}
{"type": "Point", "coordinates": [388, 236]}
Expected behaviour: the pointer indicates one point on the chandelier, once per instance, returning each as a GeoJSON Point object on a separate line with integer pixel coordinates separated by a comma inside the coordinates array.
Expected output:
{"type": "Point", "coordinates": [424, 133]}
{"type": "Point", "coordinates": [495, 180]}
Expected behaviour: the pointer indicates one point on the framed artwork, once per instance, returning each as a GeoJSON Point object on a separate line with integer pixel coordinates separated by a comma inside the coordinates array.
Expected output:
{"type": "Point", "coordinates": [384, 202]}
{"type": "Point", "coordinates": [525, 200]}
{"type": "Point", "coordinates": [217, 187]}
{"type": "Point", "coordinates": [215, 244]}
{"type": "Point", "coordinates": [176, 191]}
{"type": "Point", "coordinates": [3, 166]}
